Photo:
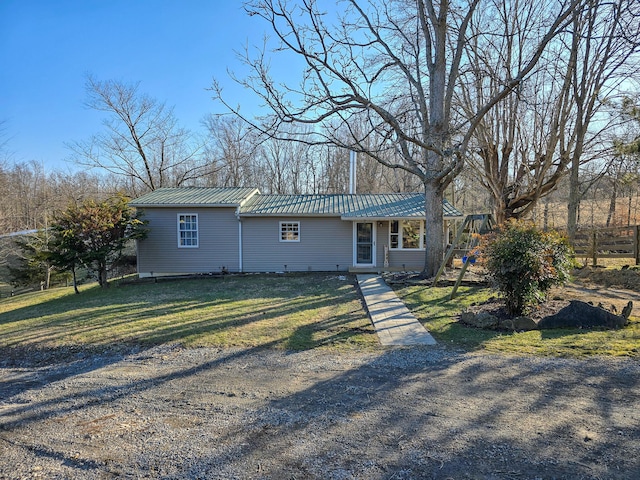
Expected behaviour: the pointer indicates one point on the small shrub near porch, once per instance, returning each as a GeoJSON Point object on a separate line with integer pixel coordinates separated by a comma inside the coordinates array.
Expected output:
{"type": "Point", "coordinates": [524, 262]}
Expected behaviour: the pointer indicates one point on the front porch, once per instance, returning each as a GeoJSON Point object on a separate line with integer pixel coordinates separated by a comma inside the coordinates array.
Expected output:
{"type": "Point", "coordinates": [390, 245]}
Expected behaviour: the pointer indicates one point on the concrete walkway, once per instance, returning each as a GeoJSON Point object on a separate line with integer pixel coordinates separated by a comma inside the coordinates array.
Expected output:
{"type": "Point", "coordinates": [393, 321]}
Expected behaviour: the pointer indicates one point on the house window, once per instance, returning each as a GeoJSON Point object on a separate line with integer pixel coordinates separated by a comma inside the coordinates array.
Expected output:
{"type": "Point", "coordinates": [406, 234]}
{"type": "Point", "coordinates": [411, 234]}
{"type": "Point", "coordinates": [187, 230]}
{"type": "Point", "coordinates": [289, 231]}
{"type": "Point", "coordinates": [394, 240]}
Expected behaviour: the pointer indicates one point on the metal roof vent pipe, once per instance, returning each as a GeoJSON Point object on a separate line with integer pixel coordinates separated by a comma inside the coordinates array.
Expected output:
{"type": "Point", "coordinates": [352, 172]}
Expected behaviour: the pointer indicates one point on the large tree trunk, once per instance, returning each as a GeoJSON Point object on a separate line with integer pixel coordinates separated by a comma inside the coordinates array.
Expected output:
{"type": "Point", "coordinates": [500, 213]}
{"type": "Point", "coordinates": [434, 229]}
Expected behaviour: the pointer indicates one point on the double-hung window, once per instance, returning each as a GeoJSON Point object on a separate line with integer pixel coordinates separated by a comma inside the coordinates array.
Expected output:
{"type": "Point", "coordinates": [289, 231]}
{"type": "Point", "coordinates": [187, 230]}
{"type": "Point", "coordinates": [406, 234]}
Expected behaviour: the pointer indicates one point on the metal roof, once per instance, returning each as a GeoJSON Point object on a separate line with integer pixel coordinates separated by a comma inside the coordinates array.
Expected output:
{"type": "Point", "coordinates": [19, 234]}
{"type": "Point", "coordinates": [254, 204]}
{"type": "Point", "coordinates": [373, 206]}
{"type": "Point", "coordinates": [195, 197]}
{"type": "Point", "coordinates": [449, 211]}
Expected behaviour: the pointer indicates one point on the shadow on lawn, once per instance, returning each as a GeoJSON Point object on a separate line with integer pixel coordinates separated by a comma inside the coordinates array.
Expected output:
{"type": "Point", "coordinates": [61, 333]}
{"type": "Point", "coordinates": [215, 311]}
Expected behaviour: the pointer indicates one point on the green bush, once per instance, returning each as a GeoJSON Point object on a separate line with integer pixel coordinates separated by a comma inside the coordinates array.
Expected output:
{"type": "Point", "coordinates": [525, 262]}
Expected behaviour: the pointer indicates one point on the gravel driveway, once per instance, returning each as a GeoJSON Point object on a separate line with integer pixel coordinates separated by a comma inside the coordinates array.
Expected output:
{"type": "Point", "coordinates": [423, 412]}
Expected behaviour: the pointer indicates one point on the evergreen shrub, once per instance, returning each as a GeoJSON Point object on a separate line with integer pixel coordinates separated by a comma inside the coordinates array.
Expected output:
{"type": "Point", "coordinates": [524, 262]}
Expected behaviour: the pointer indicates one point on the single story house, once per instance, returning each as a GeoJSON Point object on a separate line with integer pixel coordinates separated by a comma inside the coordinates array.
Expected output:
{"type": "Point", "coordinates": [212, 230]}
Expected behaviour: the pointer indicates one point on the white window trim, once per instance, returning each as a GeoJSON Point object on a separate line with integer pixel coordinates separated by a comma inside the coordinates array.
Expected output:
{"type": "Point", "coordinates": [400, 230]}
{"type": "Point", "coordinates": [197, 245]}
{"type": "Point", "coordinates": [374, 252]}
{"type": "Point", "coordinates": [281, 224]}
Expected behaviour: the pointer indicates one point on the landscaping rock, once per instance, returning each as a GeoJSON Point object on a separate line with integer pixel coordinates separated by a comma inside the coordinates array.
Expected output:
{"type": "Point", "coordinates": [466, 317]}
{"type": "Point", "coordinates": [488, 321]}
{"type": "Point", "coordinates": [519, 324]}
{"type": "Point", "coordinates": [574, 314]}
{"type": "Point", "coordinates": [479, 320]}
{"type": "Point", "coordinates": [583, 315]}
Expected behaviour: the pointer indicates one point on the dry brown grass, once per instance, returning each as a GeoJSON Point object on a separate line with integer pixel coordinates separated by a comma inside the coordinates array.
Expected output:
{"type": "Point", "coordinates": [593, 213]}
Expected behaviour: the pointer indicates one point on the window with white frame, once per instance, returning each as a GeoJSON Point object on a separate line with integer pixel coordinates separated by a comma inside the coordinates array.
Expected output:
{"type": "Point", "coordinates": [406, 234]}
{"type": "Point", "coordinates": [187, 230]}
{"type": "Point", "coordinates": [289, 231]}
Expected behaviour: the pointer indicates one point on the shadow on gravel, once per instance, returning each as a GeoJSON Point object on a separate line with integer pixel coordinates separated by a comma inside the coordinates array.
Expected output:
{"type": "Point", "coordinates": [67, 402]}
{"type": "Point", "coordinates": [403, 413]}
{"type": "Point", "coordinates": [35, 369]}
{"type": "Point", "coordinates": [408, 415]}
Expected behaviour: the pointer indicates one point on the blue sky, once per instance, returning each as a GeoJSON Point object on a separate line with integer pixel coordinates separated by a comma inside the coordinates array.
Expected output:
{"type": "Point", "coordinates": [173, 48]}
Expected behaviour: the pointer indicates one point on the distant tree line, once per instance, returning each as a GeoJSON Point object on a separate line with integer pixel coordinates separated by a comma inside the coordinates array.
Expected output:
{"type": "Point", "coordinates": [518, 108]}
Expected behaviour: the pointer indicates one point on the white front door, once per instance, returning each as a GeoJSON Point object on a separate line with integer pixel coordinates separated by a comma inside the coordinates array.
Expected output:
{"type": "Point", "coordinates": [364, 245]}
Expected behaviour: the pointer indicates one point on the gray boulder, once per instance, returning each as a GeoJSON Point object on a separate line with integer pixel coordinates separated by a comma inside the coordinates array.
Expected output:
{"type": "Point", "coordinates": [479, 320]}
{"type": "Point", "coordinates": [490, 322]}
{"type": "Point", "coordinates": [518, 324]}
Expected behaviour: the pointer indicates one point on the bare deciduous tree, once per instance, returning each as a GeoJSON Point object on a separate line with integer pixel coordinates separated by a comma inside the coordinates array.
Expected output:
{"type": "Point", "coordinates": [4, 141]}
{"type": "Point", "coordinates": [554, 123]}
{"type": "Point", "coordinates": [142, 140]}
{"type": "Point", "coordinates": [606, 37]}
{"type": "Point", "coordinates": [231, 151]}
{"type": "Point", "coordinates": [284, 165]}
{"type": "Point", "coordinates": [27, 200]}
{"type": "Point", "coordinates": [390, 65]}
{"type": "Point", "coordinates": [30, 195]}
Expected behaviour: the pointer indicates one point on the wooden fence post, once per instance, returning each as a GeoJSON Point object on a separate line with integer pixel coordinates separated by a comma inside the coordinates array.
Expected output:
{"type": "Point", "coordinates": [636, 244]}
{"type": "Point", "coordinates": [594, 251]}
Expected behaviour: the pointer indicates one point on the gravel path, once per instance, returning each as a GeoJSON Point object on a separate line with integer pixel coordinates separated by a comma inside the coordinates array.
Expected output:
{"type": "Point", "coordinates": [260, 414]}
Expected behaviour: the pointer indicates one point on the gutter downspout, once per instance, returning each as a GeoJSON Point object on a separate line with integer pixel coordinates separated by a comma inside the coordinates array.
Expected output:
{"type": "Point", "coordinates": [238, 207]}
{"type": "Point", "coordinates": [240, 266]}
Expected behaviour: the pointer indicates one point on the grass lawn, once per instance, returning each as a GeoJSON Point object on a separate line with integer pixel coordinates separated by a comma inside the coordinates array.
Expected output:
{"type": "Point", "coordinates": [292, 311]}
{"type": "Point", "coordinates": [273, 311]}
{"type": "Point", "coordinates": [438, 314]}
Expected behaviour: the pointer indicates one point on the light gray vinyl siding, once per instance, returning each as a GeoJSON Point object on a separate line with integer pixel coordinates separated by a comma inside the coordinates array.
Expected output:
{"type": "Point", "coordinates": [326, 244]}
{"type": "Point", "coordinates": [218, 244]}
{"type": "Point", "coordinates": [411, 259]}
{"type": "Point", "coordinates": [382, 239]}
